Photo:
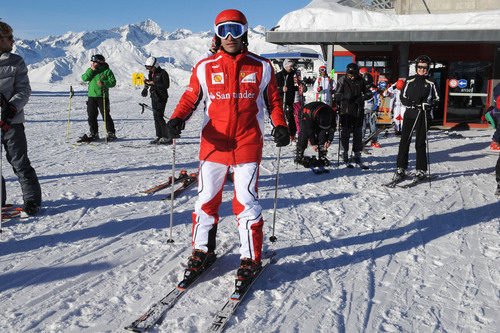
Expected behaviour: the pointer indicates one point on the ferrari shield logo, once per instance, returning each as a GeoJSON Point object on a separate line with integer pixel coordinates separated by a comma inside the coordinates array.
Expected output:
{"type": "Point", "coordinates": [217, 78]}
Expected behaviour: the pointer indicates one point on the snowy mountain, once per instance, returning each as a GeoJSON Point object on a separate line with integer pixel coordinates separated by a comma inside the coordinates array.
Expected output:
{"type": "Point", "coordinates": [63, 59]}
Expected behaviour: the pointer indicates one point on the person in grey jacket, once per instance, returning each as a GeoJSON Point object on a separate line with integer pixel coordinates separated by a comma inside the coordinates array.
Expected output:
{"type": "Point", "coordinates": [15, 91]}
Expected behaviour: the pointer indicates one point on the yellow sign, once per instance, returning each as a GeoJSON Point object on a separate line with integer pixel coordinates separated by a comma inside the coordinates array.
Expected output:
{"type": "Point", "coordinates": [137, 79]}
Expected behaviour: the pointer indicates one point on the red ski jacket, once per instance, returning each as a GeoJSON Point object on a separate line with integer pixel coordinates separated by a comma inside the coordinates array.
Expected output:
{"type": "Point", "coordinates": [236, 90]}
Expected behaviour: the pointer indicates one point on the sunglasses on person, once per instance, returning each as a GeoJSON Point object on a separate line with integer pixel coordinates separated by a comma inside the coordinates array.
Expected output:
{"type": "Point", "coordinates": [235, 29]}
{"type": "Point", "coordinates": [423, 67]}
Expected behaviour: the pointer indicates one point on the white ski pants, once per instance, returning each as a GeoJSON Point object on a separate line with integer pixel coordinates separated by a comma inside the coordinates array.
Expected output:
{"type": "Point", "coordinates": [211, 179]}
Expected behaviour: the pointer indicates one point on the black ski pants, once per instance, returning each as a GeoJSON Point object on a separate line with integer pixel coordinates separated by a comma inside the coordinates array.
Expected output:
{"type": "Point", "coordinates": [94, 105]}
{"type": "Point", "coordinates": [413, 119]}
{"type": "Point", "coordinates": [159, 105]}
{"type": "Point", "coordinates": [350, 124]}
{"type": "Point", "coordinates": [16, 152]}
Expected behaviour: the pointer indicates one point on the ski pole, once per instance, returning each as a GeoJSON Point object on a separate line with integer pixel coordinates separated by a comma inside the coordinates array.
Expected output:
{"type": "Point", "coordinates": [1, 178]}
{"type": "Point", "coordinates": [171, 240]}
{"type": "Point", "coordinates": [338, 151]}
{"type": "Point", "coordinates": [428, 150]}
{"type": "Point", "coordinates": [71, 93]}
{"type": "Point", "coordinates": [273, 238]}
{"type": "Point", "coordinates": [104, 114]}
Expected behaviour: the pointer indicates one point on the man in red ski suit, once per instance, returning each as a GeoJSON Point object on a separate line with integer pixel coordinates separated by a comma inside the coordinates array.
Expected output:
{"type": "Point", "coordinates": [236, 86]}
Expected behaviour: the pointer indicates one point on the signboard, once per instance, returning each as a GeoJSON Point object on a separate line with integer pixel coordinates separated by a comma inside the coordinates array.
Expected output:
{"type": "Point", "coordinates": [462, 83]}
{"type": "Point", "coordinates": [137, 79]}
{"type": "Point", "coordinates": [453, 83]}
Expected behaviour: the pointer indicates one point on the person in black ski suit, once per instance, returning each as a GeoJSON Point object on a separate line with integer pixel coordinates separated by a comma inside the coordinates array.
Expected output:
{"type": "Point", "coordinates": [317, 127]}
{"type": "Point", "coordinates": [158, 83]}
{"type": "Point", "coordinates": [287, 89]}
{"type": "Point", "coordinates": [350, 95]}
{"type": "Point", "coordinates": [419, 94]}
{"type": "Point", "coordinates": [15, 91]}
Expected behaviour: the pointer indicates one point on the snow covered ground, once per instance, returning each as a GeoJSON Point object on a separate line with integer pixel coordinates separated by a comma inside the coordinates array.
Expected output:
{"type": "Point", "coordinates": [352, 256]}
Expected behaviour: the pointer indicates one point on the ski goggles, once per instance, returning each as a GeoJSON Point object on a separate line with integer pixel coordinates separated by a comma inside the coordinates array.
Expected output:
{"type": "Point", "coordinates": [235, 29]}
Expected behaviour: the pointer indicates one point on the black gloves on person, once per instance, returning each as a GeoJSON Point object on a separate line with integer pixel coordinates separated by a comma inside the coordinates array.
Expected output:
{"type": "Point", "coordinates": [175, 127]}
{"type": "Point", "coordinates": [281, 136]}
{"type": "Point", "coordinates": [8, 112]}
{"type": "Point", "coordinates": [144, 92]}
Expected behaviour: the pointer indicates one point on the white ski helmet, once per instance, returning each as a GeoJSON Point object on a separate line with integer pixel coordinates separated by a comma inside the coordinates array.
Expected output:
{"type": "Point", "coordinates": [151, 62]}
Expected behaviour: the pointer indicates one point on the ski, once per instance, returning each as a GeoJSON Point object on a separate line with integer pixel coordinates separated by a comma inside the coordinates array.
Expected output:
{"type": "Point", "coordinates": [158, 310]}
{"type": "Point", "coordinates": [377, 132]}
{"type": "Point", "coordinates": [348, 164]}
{"type": "Point", "coordinates": [366, 151]}
{"type": "Point", "coordinates": [362, 166]}
{"type": "Point", "coordinates": [319, 170]}
{"type": "Point", "coordinates": [186, 184]}
{"type": "Point", "coordinates": [222, 317]}
{"type": "Point", "coordinates": [415, 182]}
{"type": "Point", "coordinates": [11, 211]}
{"type": "Point", "coordinates": [393, 183]}
{"type": "Point", "coordinates": [182, 175]}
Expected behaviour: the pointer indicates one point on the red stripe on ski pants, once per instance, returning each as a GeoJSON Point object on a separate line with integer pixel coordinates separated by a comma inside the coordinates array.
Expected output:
{"type": "Point", "coordinates": [246, 207]}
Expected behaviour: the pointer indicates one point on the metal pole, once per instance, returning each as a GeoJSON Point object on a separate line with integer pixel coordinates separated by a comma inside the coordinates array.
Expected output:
{"type": "Point", "coordinates": [171, 240]}
{"type": "Point", "coordinates": [1, 178]}
{"type": "Point", "coordinates": [428, 150]}
{"type": "Point", "coordinates": [104, 113]}
{"type": "Point", "coordinates": [71, 93]}
{"type": "Point", "coordinates": [273, 238]}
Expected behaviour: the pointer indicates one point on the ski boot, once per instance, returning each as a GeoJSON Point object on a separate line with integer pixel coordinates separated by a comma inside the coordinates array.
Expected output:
{"type": "Point", "coordinates": [198, 262]}
{"type": "Point", "coordinates": [164, 141]}
{"type": "Point", "coordinates": [88, 138]}
{"type": "Point", "coordinates": [154, 141]}
{"type": "Point", "coordinates": [299, 156]}
{"type": "Point", "coordinates": [494, 146]}
{"type": "Point", "coordinates": [357, 160]}
{"type": "Point", "coordinates": [322, 158]}
{"type": "Point", "coordinates": [419, 176]}
{"type": "Point", "coordinates": [31, 208]}
{"type": "Point", "coordinates": [112, 137]}
{"type": "Point", "coordinates": [246, 273]}
{"type": "Point", "coordinates": [398, 177]}
{"type": "Point", "coordinates": [497, 193]}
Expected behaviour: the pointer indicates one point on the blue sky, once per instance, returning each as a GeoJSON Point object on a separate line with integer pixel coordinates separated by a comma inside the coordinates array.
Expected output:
{"type": "Point", "coordinates": [33, 19]}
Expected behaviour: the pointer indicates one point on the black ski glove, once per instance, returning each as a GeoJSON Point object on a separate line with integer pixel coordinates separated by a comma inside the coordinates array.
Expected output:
{"type": "Point", "coordinates": [8, 112]}
{"type": "Point", "coordinates": [175, 127]}
{"type": "Point", "coordinates": [144, 92]}
{"type": "Point", "coordinates": [281, 136]}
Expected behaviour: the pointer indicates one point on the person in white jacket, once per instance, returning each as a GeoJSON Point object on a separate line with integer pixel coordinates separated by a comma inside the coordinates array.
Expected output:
{"type": "Point", "coordinates": [323, 87]}
{"type": "Point", "coordinates": [397, 108]}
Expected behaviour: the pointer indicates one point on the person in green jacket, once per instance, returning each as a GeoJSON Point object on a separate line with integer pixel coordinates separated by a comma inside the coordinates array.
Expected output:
{"type": "Point", "coordinates": [100, 79]}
